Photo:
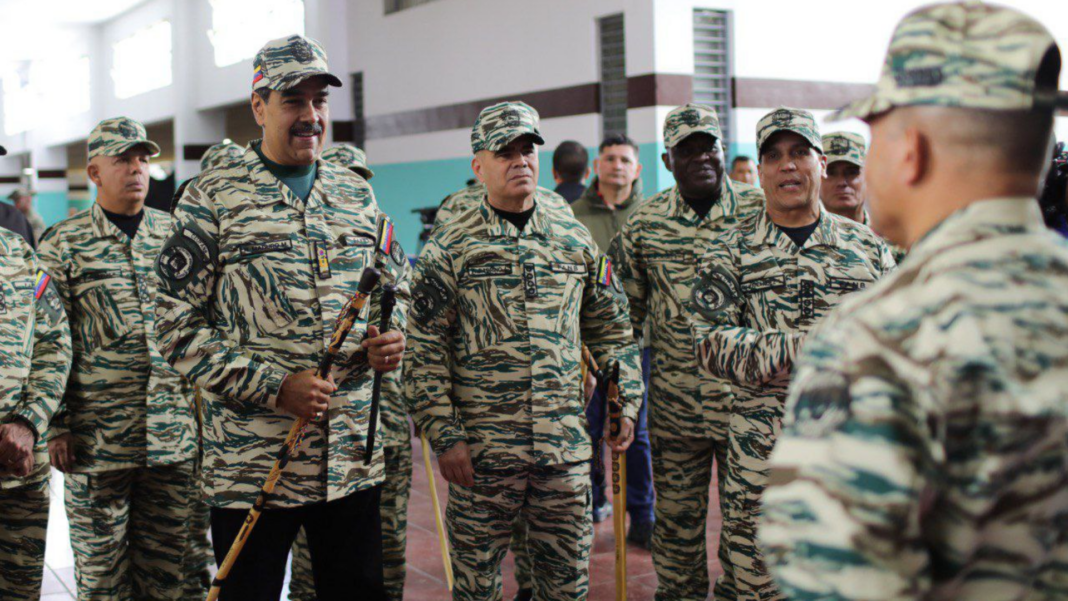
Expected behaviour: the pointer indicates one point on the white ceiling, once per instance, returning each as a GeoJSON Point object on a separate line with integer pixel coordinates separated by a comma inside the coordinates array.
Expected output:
{"type": "Point", "coordinates": [61, 12]}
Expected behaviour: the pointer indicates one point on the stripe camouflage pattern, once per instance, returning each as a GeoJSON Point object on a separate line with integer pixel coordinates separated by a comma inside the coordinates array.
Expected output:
{"type": "Point", "coordinates": [757, 294]}
{"type": "Point", "coordinates": [246, 300]}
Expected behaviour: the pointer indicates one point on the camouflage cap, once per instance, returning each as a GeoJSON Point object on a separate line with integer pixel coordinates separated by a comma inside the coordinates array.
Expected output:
{"type": "Point", "coordinates": [20, 192]}
{"type": "Point", "coordinates": [969, 55]}
{"type": "Point", "coordinates": [349, 157]}
{"type": "Point", "coordinates": [501, 123]}
{"type": "Point", "coordinates": [799, 121]}
{"type": "Point", "coordinates": [689, 119]}
{"type": "Point", "coordinates": [112, 137]}
{"type": "Point", "coordinates": [845, 146]}
{"type": "Point", "coordinates": [283, 63]}
{"type": "Point", "coordinates": [219, 154]}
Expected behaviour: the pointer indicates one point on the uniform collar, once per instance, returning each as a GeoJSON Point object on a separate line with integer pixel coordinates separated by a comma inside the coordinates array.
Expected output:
{"type": "Point", "coordinates": [537, 226]}
{"type": "Point", "coordinates": [103, 227]}
{"type": "Point", "coordinates": [767, 233]}
{"type": "Point", "coordinates": [726, 206]}
{"type": "Point", "coordinates": [981, 220]}
{"type": "Point", "coordinates": [268, 187]}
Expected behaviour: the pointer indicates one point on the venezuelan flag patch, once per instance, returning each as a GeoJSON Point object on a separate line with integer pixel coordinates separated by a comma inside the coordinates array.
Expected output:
{"type": "Point", "coordinates": [604, 272]}
{"type": "Point", "coordinates": [41, 284]}
{"type": "Point", "coordinates": [257, 74]}
{"type": "Point", "coordinates": [385, 236]}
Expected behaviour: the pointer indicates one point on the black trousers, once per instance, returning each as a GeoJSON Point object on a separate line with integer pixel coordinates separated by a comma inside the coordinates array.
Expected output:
{"type": "Point", "coordinates": [344, 538]}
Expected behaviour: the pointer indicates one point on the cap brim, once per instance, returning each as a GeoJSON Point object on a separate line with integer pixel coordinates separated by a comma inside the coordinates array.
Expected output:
{"type": "Point", "coordinates": [540, 141]}
{"type": "Point", "coordinates": [152, 147]}
{"type": "Point", "coordinates": [711, 134]}
{"type": "Point", "coordinates": [862, 109]}
{"type": "Point", "coordinates": [364, 172]}
{"type": "Point", "coordinates": [294, 81]}
{"type": "Point", "coordinates": [832, 160]}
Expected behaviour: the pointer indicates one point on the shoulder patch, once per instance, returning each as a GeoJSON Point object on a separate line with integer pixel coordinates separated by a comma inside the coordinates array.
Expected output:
{"type": "Point", "coordinates": [44, 294]}
{"type": "Point", "coordinates": [184, 254]}
{"type": "Point", "coordinates": [430, 298]}
{"type": "Point", "coordinates": [716, 290]}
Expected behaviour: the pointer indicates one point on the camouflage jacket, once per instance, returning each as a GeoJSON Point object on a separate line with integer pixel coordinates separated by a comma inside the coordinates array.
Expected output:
{"type": "Point", "coordinates": [124, 404]}
{"type": "Point", "coordinates": [34, 349]}
{"type": "Point", "coordinates": [252, 282]}
{"type": "Point", "coordinates": [473, 195]}
{"type": "Point", "coordinates": [896, 251]}
{"type": "Point", "coordinates": [924, 452]}
{"type": "Point", "coordinates": [758, 293]}
{"type": "Point", "coordinates": [658, 252]}
{"type": "Point", "coordinates": [500, 317]}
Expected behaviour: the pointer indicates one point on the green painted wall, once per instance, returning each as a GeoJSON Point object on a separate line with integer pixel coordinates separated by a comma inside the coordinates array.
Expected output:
{"type": "Point", "coordinates": [52, 206]}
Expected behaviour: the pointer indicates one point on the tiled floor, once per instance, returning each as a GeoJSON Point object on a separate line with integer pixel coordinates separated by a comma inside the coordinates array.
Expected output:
{"type": "Point", "coordinates": [426, 574]}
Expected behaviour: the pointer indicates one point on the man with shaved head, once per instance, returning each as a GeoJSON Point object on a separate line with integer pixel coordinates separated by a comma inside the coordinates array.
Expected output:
{"type": "Point", "coordinates": [924, 452]}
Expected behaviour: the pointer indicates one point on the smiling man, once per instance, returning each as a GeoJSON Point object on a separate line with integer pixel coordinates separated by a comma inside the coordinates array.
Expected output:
{"type": "Point", "coordinates": [505, 294]}
{"type": "Point", "coordinates": [759, 289]}
{"type": "Point", "coordinates": [126, 434]}
{"type": "Point", "coordinates": [657, 253]}
{"type": "Point", "coordinates": [266, 251]}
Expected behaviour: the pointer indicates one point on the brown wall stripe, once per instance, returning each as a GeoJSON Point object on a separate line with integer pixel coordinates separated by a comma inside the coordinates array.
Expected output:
{"type": "Point", "coordinates": [52, 174]}
{"type": "Point", "coordinates": [560, 102]}
{"type": "Point", "coordinates": [78, 187]}
{"type": "Point", "coordinates": [10, 179]}
{"type": "Point", "coordinates": [194, 152]}
{"type": "Point", "coordinates": [772, 93]}
{"type": "Point", "coordinates": [659, 89]}
{"type": "Point", "coordinates": [344, 131]}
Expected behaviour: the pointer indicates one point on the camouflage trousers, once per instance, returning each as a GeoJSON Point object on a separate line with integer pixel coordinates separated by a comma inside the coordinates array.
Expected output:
{"type": "Point", "coordinates": [523, 576]}
{"type": "Point", "coordinates": [394, 509]}
{"type": "Point", "coordinates": [554, 502]}
{"type": "Point", "coordinates": [23, 525]}
{"type": "Point", "coordinates": [754, 426]}
{"type": "Point", "coordinates": [131, 530]}
{"type": "Point", "coordinates": [682, 475]}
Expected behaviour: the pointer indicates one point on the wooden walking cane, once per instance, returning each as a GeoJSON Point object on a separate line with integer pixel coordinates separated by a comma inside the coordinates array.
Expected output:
{"type": "Point", "coordinates": [348, 317]}
{"type": "Point", "coordinates": [445, 557]}
{"type": "Point", "coordinates": [619, 484]}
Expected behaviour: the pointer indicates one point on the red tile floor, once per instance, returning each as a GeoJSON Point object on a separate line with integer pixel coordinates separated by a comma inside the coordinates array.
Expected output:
{"type": "Point", "coordinates": [426, 574]}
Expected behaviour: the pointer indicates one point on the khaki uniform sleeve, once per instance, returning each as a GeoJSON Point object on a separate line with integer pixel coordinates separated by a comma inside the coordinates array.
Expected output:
{"type": "Point", "coordinates": [632, 274]}
{"type": "Point", "coordinates": [54, 261]}
{"type": "Point", "coordinates": [607, 330]}
{"type": "Point", "coordinates": [50, 360]}
{"type": "Point", "coordinates": [187, 269]}
{"type": "Point", "coordinates": [431, 324]}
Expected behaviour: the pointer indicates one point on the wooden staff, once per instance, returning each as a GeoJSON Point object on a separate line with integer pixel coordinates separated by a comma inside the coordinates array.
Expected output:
{"type": "Point", "coordinates": [437, 511]}
{"type": "Point", "coordinates": [349, 315]}
{"type": "Point", "coordinates": [619, 483]}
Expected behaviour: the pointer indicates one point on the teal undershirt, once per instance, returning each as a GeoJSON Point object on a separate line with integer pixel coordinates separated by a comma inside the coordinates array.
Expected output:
{"type": "Point", "coordinates": [299, 178]}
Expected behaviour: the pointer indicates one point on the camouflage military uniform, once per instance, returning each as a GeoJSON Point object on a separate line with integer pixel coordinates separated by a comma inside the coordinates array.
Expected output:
{"type": "Point", "coordinates": [396, 441]}
{"type": "Point", "coordinates": [851, 148]}
{"type": "Point", "coordinates": [499, 317]}
{"type": "Point", "coordinates": [659, 249]}
{"type": "Point", "coordinates": [474, 194]}
{"type": "Point", "coordinates": [130, 496]}
{"type": "Point", "coordinates": [35, 354]}
{"type": "Point", "coordinates": [923, 452]}
{"type": "Point", "coordinates": [756, 295]}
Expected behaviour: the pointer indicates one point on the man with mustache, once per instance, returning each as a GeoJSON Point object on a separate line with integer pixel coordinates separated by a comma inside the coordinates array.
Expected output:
{"type": "Point", "coordinates": [263, 256]}
{"type": "Point", "coordinates": [924, 452]}
{"type": "Point", "coordinates": [126, 435]}
{"type": "Point", "coordinates": [844, 191]}
{"type": "Point", "coordinates": [505, 294]}
{"type": "Point", "coordinates": [657, 255]}
{"type": "Point", "coordinates": [759, 289]}
{"type": "Point", "coordinates": [33, 372]}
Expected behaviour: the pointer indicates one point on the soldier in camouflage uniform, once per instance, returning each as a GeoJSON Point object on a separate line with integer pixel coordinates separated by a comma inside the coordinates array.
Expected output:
{"type": "Point", "coordinates": [396, 439]}
{"type": "Point", "coordinates": [35, 354]}
{"type": "Point", "coordinates": [843, 191]}
{"type": "Point", "coordinates": [264, 255]}
{"type": "Point", "coordinates": [505, 293]}
{"type": "Point", "coordinates": [349, 157]}
{"type": "Point", "coordinates": [126, 434]}
{"type": "Point", "coordinates": [759, 289]}
{"type": "Point", "coordinates": [924, 448]}
{"type": "Point", "coordinates": [658, 251]}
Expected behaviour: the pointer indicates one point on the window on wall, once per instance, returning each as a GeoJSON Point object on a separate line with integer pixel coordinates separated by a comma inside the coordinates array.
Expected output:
{"type": "Point", "coordinates": [143, 61]}
{"type": "Point", "coordinates": [239, 28]}
{"type": "Point", "coordinates": [613, 75]}
{"type": "Point", "coordinates": [45, 89]}
{"type": "Point", "coordinates": [712, 64]}
{"type": "Point", "coordinates": [393, 6]}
